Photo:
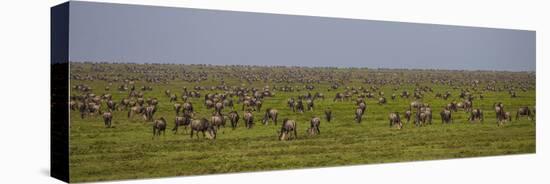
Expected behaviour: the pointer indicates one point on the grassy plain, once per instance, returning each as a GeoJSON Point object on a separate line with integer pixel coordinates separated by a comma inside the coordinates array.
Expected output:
{"type": "Point", "coordinates": [127, 151]}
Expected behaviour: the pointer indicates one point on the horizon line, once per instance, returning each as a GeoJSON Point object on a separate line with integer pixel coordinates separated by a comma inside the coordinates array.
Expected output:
{"type": "Point", "coordinates": [300, 66]}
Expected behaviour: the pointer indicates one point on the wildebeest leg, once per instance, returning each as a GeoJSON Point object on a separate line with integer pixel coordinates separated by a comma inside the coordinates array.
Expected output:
{"type": "Point", "coordinates": [191, 133]}
{"type": "Point", "coordinates": [318, 130]}
{"type": "Point", "coordinates": [154, 132]}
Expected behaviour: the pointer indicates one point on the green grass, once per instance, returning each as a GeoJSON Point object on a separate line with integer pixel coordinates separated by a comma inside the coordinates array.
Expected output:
{"type": "Point", "coordinates": [127, 151]}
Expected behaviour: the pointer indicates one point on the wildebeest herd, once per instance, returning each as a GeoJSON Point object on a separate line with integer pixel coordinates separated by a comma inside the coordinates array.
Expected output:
{"type": "Point", "coordinates": [283, 103]}
{"type": "Point", "coordinates": [222, 100]}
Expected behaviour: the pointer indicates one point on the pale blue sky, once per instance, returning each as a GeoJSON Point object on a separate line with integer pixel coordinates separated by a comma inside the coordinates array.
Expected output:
{"type": "Point", "coordinates": [130, 33]}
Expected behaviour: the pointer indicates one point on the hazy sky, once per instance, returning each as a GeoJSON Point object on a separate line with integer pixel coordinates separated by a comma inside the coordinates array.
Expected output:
{"type": "Point", "coordinates": [129, 33]}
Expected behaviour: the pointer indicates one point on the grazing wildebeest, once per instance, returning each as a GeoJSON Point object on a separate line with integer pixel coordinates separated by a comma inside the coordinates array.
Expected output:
{"type": "Point", "coordinates": [234, 118]}
{"type": "Point", "coordinates": [184, 121]}
{"type": "Point", "coordinates": [107, 118]}
{"type": "Point", "coordinates": [202, 125]}
{"type": "Point", "coordinates": [476, 114]}
{"type": "Point", "coordinates": [328, 114]}
{"type": "Point", "coordinates": [408, 115]}
{"type": "Point", "coordinates": [288, 126]}
{"type": "Point", "coordinates": [159, 126]}
{"type": "Point", "coordinates": [395, 120]}
{"type": "Point", "coordinates": [309, 104]}
{"type": "Point", "coordinates": [358, 115]}
{"type": "Point", "coordinates": [270, 114]}
{"type": "Point", "coordinates": [524, 111]}
{"type": "Point", "coordinates": [248, 119]}
{"type": "Point", "coordinates": [507, 117]}
{"type": "Point", "coordinates": [446, 116]}
{"type": "Point", "coordinates": [314, 126]}
{"type": "Point", "coordinates": [135, 110]}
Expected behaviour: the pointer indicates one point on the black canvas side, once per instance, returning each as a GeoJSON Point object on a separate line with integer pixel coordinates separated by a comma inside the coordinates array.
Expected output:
{"type": "Point", "coordinates": [59, 122]}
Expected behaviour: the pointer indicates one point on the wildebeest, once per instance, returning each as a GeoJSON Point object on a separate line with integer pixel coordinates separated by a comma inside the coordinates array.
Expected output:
{"type": "Point", "coordinates": [446, 116]}
{"type": "Point", "coordinates": [468, 105]}
{"type": "Point", "coordinates": [452, 106]}
{"type": "Point", "coordinates": [314, 126]}
{"type": "Point", "coordinates": [382, 100]}
{"type": "Point", "coordinates": [218, 121]}
{"type": "Point", "coordinates": [476, 114]}
{"type": "Point", "coordinates": [309, 104]}
{"type": "Point", "coordinates": [300, 106]}
{"type": "Point", "coordinates": [258, 105]}
{"type": "Point", "coordinates": [288, 126]}
{"type": "Point", "coordinates": [338, 96]}
{"type": "Point", "coordinates": [328, 114]}
{"type": "Point", "coordinates": [173, 98]}
{"type": "Point", "coordinates": [218, 107]}
{"type": "Point", "coordinates": [524, 111]}
{"type": "Point", "coordinates": [291, 104]}
{"type": "Point", "coordinates": [499, 112]}
{"type": "Point", "coordinates": [187, 107]}
{"type": "Point", "coordinates": [248, 119]}
{"type": "Point", "coordinates": [428, 111]}
{"type": "Point", "coordinates": [362, 106]}
{"type": "Point", "coordinates": [395, 120]}
{"type": "Point", "coordinates": [408, 115]}
{"type": "Point", "coordinates": [507, 117]}
{"type": "Point", "coordinates": [135, 110]}
{"type": "Point", "coordinates": [209, 104]}
{"type": "Point", "coordinates": [420, 118]}
{"type": "Point", "coordinates": [270, 114]}
{"type": "Point", "coordinates": [184, 121]}
{"type": "Point", "coordinates": [177, 108]}
{"type": "Point", "coordinates": [107, 118]}
{"type": "Point", "coordinates": [111, 105]}
{"type": "Point", "coordinates": [149, 112]}
{"type": "Point", "coordinates": [358, 115]}
{"type": "Point", "coordinates": [159, 126]}
{"type": "Point", "coordinates": [234, 119]}
{"type": "Point", "coordinates": [202, 125]}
